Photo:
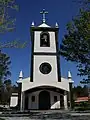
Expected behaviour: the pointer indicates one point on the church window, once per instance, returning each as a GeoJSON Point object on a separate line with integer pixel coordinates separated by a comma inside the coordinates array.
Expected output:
{"type": "Point", "coordinates": [55, 98]}
{"type": "Point", "coordinates": [45, 68]}
{"type": "Point", "coordinates": [44, 39]}
{"type": "Point", "coordinates": [33, 98]}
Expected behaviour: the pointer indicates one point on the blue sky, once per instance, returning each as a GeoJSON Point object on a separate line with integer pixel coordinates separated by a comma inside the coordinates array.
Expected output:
{"type": "Point", "coordinates": [60, 11]}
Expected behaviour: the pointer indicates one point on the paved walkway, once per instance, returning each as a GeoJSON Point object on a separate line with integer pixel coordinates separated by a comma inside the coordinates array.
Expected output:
{"type": "Point", "coordinates": [26, 118]}
{"type": "Point", "coordinates": [80, 114]}
{"type": "Point", "coordinates": [49, 115]}
{"type": "Point", "coordinates": [16, 118]}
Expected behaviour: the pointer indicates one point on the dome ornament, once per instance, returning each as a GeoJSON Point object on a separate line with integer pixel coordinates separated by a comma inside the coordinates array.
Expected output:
{"type": "Point", "coordinates": [21, 74]}
{"type": "Point", "coordinates": [33, 24]}
{"type": "Point", "coordinates": [56, 25]}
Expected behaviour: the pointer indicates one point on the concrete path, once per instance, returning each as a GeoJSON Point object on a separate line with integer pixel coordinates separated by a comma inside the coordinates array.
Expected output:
{"type": "Point", "coordinates": [80, 114]}
{"type": "Point", "coordinates": [50, 115]}
{"type": "Point", "coordinates": [26, 118]}
{"type": "Point", "coordinates": [17, 118]}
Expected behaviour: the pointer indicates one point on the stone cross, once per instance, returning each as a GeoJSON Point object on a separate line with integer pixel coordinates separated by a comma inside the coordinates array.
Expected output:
{"type": "Point", "coordinates": [43, 13]}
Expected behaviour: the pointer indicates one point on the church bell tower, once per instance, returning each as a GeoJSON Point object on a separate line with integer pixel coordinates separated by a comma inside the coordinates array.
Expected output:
{"type": "Point", "coordinates": [45, 64]}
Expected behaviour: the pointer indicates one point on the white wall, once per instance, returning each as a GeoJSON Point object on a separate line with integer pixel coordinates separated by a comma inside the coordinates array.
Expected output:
{"type": "Point", "coordinates": [37, 47]}
{"type": "Point", "coordinates": [33, 105]}
{"type": "Point", "coordinates": [65, 102]}
{"type": "Point", "coordinates": [55, 105]}
{"type": "Point", "coordinates": [26, 84]}
{"type": "Point", "coordinates": [13, 101]}
{"type": "Point", "coordinates": [38, 76]}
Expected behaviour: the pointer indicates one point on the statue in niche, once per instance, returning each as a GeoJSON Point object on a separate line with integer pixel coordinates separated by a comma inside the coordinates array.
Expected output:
{"type": "Point", "coordinates": [44, 40]}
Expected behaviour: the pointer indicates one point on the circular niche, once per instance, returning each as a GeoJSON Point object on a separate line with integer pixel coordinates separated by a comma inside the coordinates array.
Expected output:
{"type": "Point", "coordinates": [45, 68]}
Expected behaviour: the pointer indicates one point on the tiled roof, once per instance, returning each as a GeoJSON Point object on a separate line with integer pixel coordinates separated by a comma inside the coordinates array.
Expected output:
{"type": "Point", "coordinates": [81, 99]}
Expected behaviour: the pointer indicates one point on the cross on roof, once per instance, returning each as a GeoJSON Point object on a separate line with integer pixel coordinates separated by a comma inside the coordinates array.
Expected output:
{"type": "Point", "coordinates": [43, 12]}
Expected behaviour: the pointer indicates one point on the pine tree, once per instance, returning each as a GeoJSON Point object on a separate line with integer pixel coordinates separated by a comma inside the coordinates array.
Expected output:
{"type": "Point", "coordinates": [4, 72]}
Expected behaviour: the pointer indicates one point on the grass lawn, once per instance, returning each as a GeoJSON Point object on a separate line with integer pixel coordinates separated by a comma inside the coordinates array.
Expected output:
{"type": "Point", "coordinates": [2, 119]}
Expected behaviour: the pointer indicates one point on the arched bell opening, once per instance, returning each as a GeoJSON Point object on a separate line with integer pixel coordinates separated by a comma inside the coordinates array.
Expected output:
{"type": "Point", "coordinates": [44, 39]}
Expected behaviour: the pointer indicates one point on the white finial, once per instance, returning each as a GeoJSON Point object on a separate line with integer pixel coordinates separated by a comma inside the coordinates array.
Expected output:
{"type": "Point", "coordinates": [33, 24]}
{"type": "Point", "coordinates": [69, 74]}
{"type": "Point", "coordinates": [56, 25]}
{"type": "Point", "coordinates": [70, 77]}
{"type": "Point", "coordinates": [21, 74]}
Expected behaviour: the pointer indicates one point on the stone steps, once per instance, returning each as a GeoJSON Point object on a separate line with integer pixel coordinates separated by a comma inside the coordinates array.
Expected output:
{"type": "Point", "coordinates": [48, 115]}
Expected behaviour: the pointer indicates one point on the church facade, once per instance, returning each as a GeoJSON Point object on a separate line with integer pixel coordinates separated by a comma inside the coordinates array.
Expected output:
{"type": "Point", "coordinates": [45, 89]}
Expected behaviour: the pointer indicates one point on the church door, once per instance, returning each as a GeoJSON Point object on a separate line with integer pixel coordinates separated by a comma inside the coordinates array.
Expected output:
{"type": "Point", "coordinates": [44, 100]}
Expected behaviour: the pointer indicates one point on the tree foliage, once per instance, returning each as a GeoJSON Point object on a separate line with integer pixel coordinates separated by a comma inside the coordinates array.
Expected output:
{"type": "Point", "coordinates": [4, 66]}
{"type": "Point", "coordinates": [80, 91]}
{"type": "Point", "coordinates": [4, 74]}
{"type": "Point", "coordinates": [7, 22]}
{"type": "Point", "coordinates": [76, 42]}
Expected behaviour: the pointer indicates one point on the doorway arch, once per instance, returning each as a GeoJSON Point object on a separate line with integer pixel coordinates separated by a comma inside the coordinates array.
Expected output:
{"type": "Point", "coordinates": [44, 100]}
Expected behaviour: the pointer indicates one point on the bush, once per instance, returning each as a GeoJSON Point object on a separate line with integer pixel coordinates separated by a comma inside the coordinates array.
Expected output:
{"type": "Point", "coordinates": [2, 119]}
{"type": "Point", "coordinates": [2, 109]}
{"type": "Point", "coordinates": [82, 106]}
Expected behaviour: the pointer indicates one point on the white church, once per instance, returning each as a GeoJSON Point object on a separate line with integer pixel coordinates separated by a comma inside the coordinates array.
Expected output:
{"type": "Point", "coordinates": [45, 88]}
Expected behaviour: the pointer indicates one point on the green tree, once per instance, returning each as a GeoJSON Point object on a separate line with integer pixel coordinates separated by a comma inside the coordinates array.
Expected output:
{"type": "Point", "coordinates": [76, 42]}
{"type": "Point", "coordinates": [4, 72]}
{"type": "Point", "coordinates": [8, 90]}
{"type": "Point", "coordinates": [80, 91]}
{"type": "Point", "coordinates": [15, 89]}
{"type": "Point", "coordinates": [7, 22]}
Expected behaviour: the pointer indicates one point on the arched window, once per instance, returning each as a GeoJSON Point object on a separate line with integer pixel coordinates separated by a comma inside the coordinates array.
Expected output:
{"type": "Point", "coordinates": [44, 39]}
